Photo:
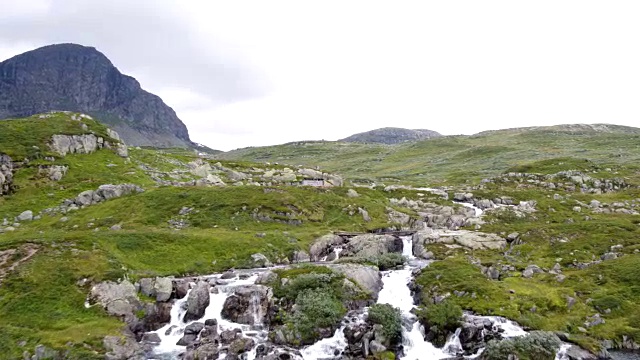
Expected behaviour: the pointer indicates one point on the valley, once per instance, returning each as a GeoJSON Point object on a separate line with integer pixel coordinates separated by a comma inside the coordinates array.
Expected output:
{"type": "Point", "coordinates": [518, 242]}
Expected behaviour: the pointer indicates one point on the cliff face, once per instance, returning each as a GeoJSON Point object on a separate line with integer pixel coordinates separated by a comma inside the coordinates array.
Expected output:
{"type": "Point", "coordinates": [81, 79]}
{"type": "Point", "coordinates": [390, 135]}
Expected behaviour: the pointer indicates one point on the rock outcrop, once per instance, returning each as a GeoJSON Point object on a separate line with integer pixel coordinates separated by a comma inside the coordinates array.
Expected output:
{"type": "Point", "coordinates": [78, 78]}
{"type": "Point", "coordinates": [119, 299]}
{"type": "Point", "coordinates": [367, 277]}
{"type": "Point", "coordinates": [372, 245]}
{"type": "Point", "coordinates": [6, 174]}
{"type": "Point", "coordinates": [105, 192]}
{"type": "Point", "coordinates": [468, 239]}
{"type": "Point", "coordinates": [248, 304]}
{"type": "Point", "coordinates": [197, 301]}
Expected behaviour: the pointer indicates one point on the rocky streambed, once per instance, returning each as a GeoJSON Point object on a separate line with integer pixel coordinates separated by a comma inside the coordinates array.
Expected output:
{"type": "Point", "coordinates": [227, 316]}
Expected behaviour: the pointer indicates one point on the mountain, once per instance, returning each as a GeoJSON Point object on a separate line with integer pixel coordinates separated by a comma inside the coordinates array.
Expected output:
{"type": "Point", "coordinates": [82, 79]}
{"type": "Point", "coordinates": [391, 135]}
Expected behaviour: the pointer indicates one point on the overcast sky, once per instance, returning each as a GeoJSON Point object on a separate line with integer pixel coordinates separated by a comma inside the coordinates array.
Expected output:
{"type": "Point", "coordinates": [249, 73]}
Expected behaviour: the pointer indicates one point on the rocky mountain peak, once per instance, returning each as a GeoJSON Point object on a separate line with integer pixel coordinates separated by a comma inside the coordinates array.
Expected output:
{"type": "Point", "coordinates": [81, 79]}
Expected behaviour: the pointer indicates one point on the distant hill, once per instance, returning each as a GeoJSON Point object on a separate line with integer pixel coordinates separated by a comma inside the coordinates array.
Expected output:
{"type": "Point", "coordinates": [575, 129]}
{"type": "Point", "coordinates": [82, 79]}
{"type": "Point", "coordinates": [448, 159]}
{"type": "Point", "coordinates": [391, 135]}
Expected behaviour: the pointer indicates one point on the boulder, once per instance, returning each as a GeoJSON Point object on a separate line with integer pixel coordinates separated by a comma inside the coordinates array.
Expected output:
{"type": "Point", "coordinates": [6, 174]}
{"type": "Point", "coordinates": [197, 301]}
{"type": "Point", "coordinates": [75, 144]}
{"type": "Point", "coordinates": [260, 260]}
{"type": "Point", "coordinates": [119, 299]}
{"type": "Point", "coordinates": [479, 241]}
{"type": "Point", "coordinates": [180, 288]}
{"type": "Point", "coordinates": [228, 336]}
{"type": "Point", "coordinates": [365, 214]}
{"type": "Point", "coordinates": [163, 287]}
{"type": "Point", "coordinates": [191, 333]}
{"type": "Point", "coordinates": [323, 245]}
{"type": "Point", "coordinates": [577, 353]}
{"type": "Point", "coordinates": [267, 278]}
{"type": "Point", "coordinates": [301, 257]}
{"type": "Point", "coordinates": [122, 348]}
{"type": "Point", "coordinates": [248, 305]}
{"type": "Point", "coordinates": [208, 351]}
{"type": "Point", "coordinates": [367, 277]}
{"type": "Point", "coordinates": [25, 216]}
{"type": "Point", "coordinates": [352, 193]}
{"type": "Point", "coordinates": [372, 245]}
{"type": "Point", "coordinates": [241, 345]}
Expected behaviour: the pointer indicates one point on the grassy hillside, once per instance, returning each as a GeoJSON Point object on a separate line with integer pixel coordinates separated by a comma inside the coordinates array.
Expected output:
{"type": "Point", "coordinates": [187, 230]}
{"type": "Point", "coordinates": [455, 159]}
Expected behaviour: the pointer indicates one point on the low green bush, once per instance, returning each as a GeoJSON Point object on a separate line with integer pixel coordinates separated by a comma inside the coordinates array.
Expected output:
{"type": "Point", "coordinates": [390, 318]}
{"type": "Point", "coordinates": [537, 345]}
{"type": "Point", "coordinates": [444, 316]}
{"type": "Point", "coordinates": [316, 309]}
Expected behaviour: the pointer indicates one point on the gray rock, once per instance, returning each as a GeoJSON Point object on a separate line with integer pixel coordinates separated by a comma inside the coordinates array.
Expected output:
{"type": "Point", "coordinates": [75, 144]}
{"type": "Point", "coordinates": [322, 246]}
{"type": "Point", "coordinates": [367, 277]}
{"type": "Point", "coordinates": [609, 256]}
{"type": "Point", "coordinates": [240, 346]}
{"type": "Point", "coordinates": [85, 198]}
{"type": "Point", "coordinates": [151, 338]}
{"type": "Point", "coordinates": [25, 216]}
{"type": "Point", "coordinates": [365, 214]}
{"type": "Point", "coordinates": [260, 260]}
{"type": "Point", "coordinates": [122, 348]}
{"type": "Point", "coordinates": [116, 227]}
{"type": "Point", "coordinates": [163, 287]}
{"type": "Point", "coordinates": [248, 305]}
{"type": "Point", "coordinates": [301, 257]}
{"type": "Point", "coordinates": [6, 175]}
{"type": "Point", "coordinates": [376, 347]}
{"type": "Point", "coordinates": [45, 353]}
{"type": "Point", "coordinates": [146, 287]}
{"type": "Point", "coordinates": [493, 273]}
{"type": "Point", "coordinates": [577, 353]}
{"type": "Point", "coordinates": [197, 301]}
{"type": "Point", "coordinates": [266, 278]}
{"type": "Point", "coordinates": [119, 299]}
{"type": "Point", "coordinates": [372, 245]}
{"type": "Point", "coordinates": [352, 193]}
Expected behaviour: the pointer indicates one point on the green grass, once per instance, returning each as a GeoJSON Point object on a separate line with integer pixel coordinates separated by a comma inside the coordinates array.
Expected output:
{"type": "Point", "coordinates": [454, 159]}
{"type": "Point", "coordinates": [41, 303]}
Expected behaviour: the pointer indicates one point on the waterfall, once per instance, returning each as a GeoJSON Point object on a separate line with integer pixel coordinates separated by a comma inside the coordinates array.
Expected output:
{"type": "Point", "coordinates": [326, 348]}
{"type": "Point", "coordinates": [256, 309]}
{"type": "Point", "coordinates": [479, 211]}
{"type": "Point", "coordinates": [395, 292]}
{"type": "Point", "coordinates": [407, 247]}
{"type": "Point", "coordinates": [453, 345]}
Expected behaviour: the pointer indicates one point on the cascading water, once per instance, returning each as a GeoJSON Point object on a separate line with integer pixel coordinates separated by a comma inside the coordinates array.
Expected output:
{"type": "Point", "coordinates": [395, 291]}
{"type": "Point", "coordinates": [171, 333]}
{"type": "Point", "coordinates": [479, 211]}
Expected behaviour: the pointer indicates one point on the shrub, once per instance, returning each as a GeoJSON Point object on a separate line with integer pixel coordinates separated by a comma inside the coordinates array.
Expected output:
{"type": "Point", "coordinates": [390, 318]}
{"type": "Point", "coordinates": [444, 316]}
{"type": "Point", "coordinates": [306, 282]}
{"type": "Point", "coordinates": [389, 261]}
{"type": "Point", "coordinates": [316, 309]}
{"type": "Point", "coordinates": [537, 345]}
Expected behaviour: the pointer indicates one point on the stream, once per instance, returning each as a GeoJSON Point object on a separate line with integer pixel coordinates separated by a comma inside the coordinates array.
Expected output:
{"type": "Point", "coordinates": [395, 291]}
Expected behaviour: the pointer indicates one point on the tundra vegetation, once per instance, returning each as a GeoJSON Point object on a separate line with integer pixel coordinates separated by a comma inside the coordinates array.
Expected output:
{"type": "Point", "coordinates": [571, 267]}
